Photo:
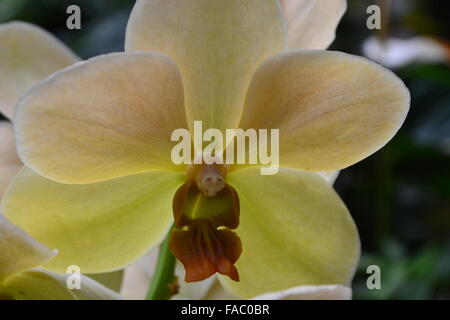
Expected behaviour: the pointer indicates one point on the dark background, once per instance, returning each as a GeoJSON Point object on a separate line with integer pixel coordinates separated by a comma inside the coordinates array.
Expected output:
{"type": "Point", "coordinates": [399, 197]}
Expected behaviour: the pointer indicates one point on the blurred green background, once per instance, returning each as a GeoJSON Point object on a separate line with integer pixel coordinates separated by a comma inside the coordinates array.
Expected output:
{"type": "Point", "coordinates": [399, 197]}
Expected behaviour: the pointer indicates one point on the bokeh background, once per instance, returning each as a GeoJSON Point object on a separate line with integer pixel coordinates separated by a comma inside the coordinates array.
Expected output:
{"type": "Point", "coordinates": [399, 197]}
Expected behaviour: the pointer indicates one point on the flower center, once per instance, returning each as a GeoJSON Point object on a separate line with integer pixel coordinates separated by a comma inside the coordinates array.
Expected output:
{"type": "Point", "coordinates": [205, 210]}
{"type": "Point", "coordinates": [209, 178]}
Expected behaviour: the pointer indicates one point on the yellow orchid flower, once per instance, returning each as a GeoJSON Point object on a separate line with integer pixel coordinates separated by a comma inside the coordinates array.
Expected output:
{"type": "Point", "coordinates": [103, 127]}
{"type": "Point", "coordinates": [19, 280]}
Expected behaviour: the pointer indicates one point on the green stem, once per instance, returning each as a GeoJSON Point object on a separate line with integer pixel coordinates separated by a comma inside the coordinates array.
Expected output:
{"type": "Point", "coordinates": [164, 279]}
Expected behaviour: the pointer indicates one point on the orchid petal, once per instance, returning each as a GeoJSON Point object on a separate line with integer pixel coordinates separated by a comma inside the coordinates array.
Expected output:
{"type": "Point", "coordinates": [332, 109]}
{"type": "Point", "coordinates": [216, 44]}
{"type": "Point", "coordinates": [325, 292]}
{"type": "Point", "coordinates": [100, 227]}
{"type": "Point", "coordinates": [19, 251]}
{"type": "Point", "coordinates": [10, 163]}
{"type": "Point", "coordinates": [28, 54]}
{"type": "Point", "coordinates": [44, 285]}
{"type": "Point", "coordinates": [311, 23]}
{"type": "Point", "coordinates": [108, 117]}
{"type": "Point", "coordinates": [295, 230]}
{"type": "Point", "coordinates": [111, 280]}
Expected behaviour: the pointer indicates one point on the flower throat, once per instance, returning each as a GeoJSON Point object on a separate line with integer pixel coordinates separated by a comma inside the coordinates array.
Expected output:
{"type": "Point", "coordinates": [206, 210]}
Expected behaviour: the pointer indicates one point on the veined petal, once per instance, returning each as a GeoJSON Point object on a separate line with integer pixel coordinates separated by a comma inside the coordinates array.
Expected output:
{"type": "Point", "coordinates": [107, 117]}
{"type": "Point", "coordinates": [216, 44]}
{"type": "Point", "coordinates": [295, 230]}
{"type": "Point", "coordinates": [19, 251]}
{"type": "Point", "coordinates": [325, 292]}
{"type": "Point", "coordinates": [28, 54]}
{"type": "Point", "coordinates": [311, 23]}
{"type": "Point", "coordinates": [10, 163]}
{"type": "Point", "coordinates": [99, 227]}
{"type": "Point", "coordinates": [332, 109]}
{"type": "Point", "coordinates": [45, 285]}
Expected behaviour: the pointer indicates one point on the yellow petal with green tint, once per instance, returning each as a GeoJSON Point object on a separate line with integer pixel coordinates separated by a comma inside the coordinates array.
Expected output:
{"type": "Point", "coordinates": [19, 251]}
{"type": "Point", "coordinates": [34, 285]}
{"type": "Point", "coordinates": [99, 227]}
{"type": "Point", "coordinates": [216, 44]}
{"type": "Point", "coordinates": [295, 230]}
{"type": "Point", "coordinates": [10, 163]}
{"type": "Point", "coordinates": [107, 117]}
{"type": "Point", "coordinates": [28, 54]}
{"type": "Point", "coordinates": [332, 109]}
{"type": "Point", "coordinates": [311, 23]}
{"type": "Point", "coordinates": [44, 285]}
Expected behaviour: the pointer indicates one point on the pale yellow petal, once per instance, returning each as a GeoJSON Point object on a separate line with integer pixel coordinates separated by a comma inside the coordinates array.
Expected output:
{"type": "Point", "coordinates": [332, 109]}
{"type": "Point", "coordinates": [100, 227]}
{"type": "Point", "coordinates": [19, 251]}
{"type": "Point", "coordinates": [28, 54]}
{"type": "Point", "coordinates": [216, 44]}
{"type": "Point", "coordinates": [107, 117]}
{"type": "Point", "coordinates": [312, 23]}
{"type": "Point", "coordinates": [10, 163]}
{"type": "Point", "coordinates": [295, 230]}
{"type": "Point", "coordinates": [45, 285]}
{"type": "Point", "coordinates": [325, 292]}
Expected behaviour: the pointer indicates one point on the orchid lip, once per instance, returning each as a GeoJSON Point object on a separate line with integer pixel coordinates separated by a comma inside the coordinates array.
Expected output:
{"type": "Point", "coordinates": [206, 210]}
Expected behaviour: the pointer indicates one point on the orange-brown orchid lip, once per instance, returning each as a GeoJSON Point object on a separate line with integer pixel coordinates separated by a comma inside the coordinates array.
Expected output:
{"type": "Point", "coordinates": [203, 239]}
